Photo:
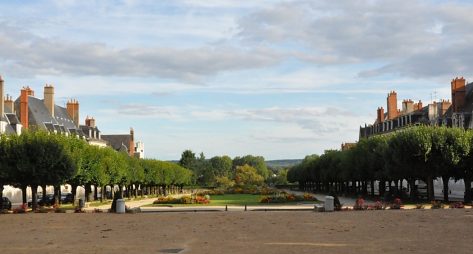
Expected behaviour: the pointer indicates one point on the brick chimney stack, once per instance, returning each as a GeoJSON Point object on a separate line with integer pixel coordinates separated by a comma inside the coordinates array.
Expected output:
{"type": "Point", "coordinates": [131, 149]}
{"type": "Point", "coordinates": [458, 94]}
{"type": "Point", "coordinates": [73, 110]}
{"type": "Point", "coordinates": [90, 122]}
{"type": "Point", "coordinates": [25, 93]}
{"type": "Point", "coordinates": [392, 105]}
{"type": "Point", "coordinates": [9, 104]}
{"type": "Point", "coordinates": [380, 115]}
{"type": "Point", "coordinates": [444, 105]}
{"type": "Point", "coordinates": [407, 106]}
{"type": "Point", "coordinates": [49, 98]}
{"type": "Point", "coordinates": [418, 106]}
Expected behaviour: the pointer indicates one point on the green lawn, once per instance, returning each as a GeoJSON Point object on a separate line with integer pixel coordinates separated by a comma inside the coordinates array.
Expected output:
{"type": "Point", "coordinates": [230, 199]}
{"type": "Point", "coordinates": [235, 199]}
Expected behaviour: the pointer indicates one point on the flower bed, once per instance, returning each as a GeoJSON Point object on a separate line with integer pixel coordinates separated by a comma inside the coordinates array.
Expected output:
{"type": "Point", "coordinates": [284, 197]}
{"type": "Point", "coordinates": [198, 199]}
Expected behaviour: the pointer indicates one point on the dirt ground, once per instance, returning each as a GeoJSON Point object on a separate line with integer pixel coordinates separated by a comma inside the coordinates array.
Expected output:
{"type": "Point", "coordinates": [405, 231]}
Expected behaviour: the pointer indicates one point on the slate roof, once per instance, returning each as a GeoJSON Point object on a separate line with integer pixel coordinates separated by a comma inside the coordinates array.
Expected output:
{"type": "Point", "coordinates": [63, 118]}
{"type": "Point", "coordinates": [12, 118]}
{"type": "Point", "coordinates": [85, 129]}
{"type": "Point", "coordinates": [77, 132]}
{"type": "Point", "coordinates": [39, 116]}
{"type": "Point", "coordinates": [118, 141]}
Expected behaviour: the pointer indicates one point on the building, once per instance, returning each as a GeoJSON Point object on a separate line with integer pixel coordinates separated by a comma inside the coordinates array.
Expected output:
{"type": "Point", "coordinates": [454, 112]}
{"type": "Point", "coordinates": [126, 143]}
{"type": "Point", "coordinates": [9, 122]}
{"type": "Point", "coordinates": [29, 112]}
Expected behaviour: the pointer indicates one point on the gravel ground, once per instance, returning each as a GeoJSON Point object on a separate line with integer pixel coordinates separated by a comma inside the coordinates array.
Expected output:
{"type": "Point", "coordinates": [399, 231]}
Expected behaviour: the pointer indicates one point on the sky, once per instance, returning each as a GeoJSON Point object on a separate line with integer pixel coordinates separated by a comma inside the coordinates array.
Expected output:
{"type": "Point", "coordinates": [280, 79]}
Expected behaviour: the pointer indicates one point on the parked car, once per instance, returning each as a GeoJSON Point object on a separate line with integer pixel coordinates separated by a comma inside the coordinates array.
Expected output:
{"type": "Point", "coordinates": [6, 204]}
{"type": "Point", "coordinates": [47, 201]}
{"type": "Point", "coordinates": [67, 198]}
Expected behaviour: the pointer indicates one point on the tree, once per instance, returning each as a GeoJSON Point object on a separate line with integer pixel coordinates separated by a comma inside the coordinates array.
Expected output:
{"type": "Point", "coordinates": [221, 166]}
{"type": "Point", "coordinates": [188, 159]}
{"type": "Point", "coordinates": [5, 165]}
{"type": "Point", "coordinates": [256, 162]}
{"type": "Point", "coordinates": [39, 158]}
{"type": "Point", "coordinates": [224, 182]}
{"type": "Point", "coordinates": [247, 177]}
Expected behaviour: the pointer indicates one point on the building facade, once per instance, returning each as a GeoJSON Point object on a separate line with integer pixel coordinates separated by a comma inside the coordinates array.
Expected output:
{"type": "Point", "coordinates": [454, 112]}
{"type": "Point", "coordinates": [30, 112]}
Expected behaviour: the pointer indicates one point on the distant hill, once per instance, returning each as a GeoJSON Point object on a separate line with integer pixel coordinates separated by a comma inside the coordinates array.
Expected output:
{"type": "Point", "coordinates": [282, 163]}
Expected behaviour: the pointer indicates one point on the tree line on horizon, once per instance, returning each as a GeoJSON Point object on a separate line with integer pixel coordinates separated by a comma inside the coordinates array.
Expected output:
{"type": "Point", "coordinates": [222, 170]}
{"type": "Point", "coordinates": [416, 153]}
{"type": "Point", "coordinates": [37, 158]}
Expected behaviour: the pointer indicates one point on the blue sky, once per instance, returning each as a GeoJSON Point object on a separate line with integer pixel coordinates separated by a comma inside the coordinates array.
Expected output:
{"type": "Point", "coordinates": [281, 79]}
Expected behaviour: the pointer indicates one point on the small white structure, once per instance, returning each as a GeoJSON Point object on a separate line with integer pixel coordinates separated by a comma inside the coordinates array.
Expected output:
{"type": "Point", "coordinates": [120, 206]}
{"type": "Point", "coordinates": [329, 203]}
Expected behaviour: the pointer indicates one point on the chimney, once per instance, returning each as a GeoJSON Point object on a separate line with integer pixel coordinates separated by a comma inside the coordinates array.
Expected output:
{"type": "Point", "coordinates": [25, 93]}
{"type": "Point", "coordinates": [380, 115]}
{"type": "Point", "coordinates": [392, 105]}
{"type": "Point", "coordinates": [433, 108]}
{"type": "Point", "coordinates": [444, 105]}
{"type": "Point", "coordinates": [49, 98]}
{"type": "Point", "coordinates": [131, 149]}
{"type": "Point", "coordinates": [90, 122]}
{"type": "Point", "coordinates": [2, 95]}
{"type": "Point", "coordinates": [9, 104]}
{"type": "Point", "coordinates": [458, 94]}
{"type": "Point", "coordinates": [73, 110]}
{"type": "Point", "coordinates": [407, 106]}
{"type": "Point", "coordinates": [418, 106]}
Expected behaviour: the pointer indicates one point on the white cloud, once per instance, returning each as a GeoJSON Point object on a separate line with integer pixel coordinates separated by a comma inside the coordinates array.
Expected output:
{"type": "Point", "coordinates": [411, 38]}
{"type": "Point", "coordinates": [28, 55]}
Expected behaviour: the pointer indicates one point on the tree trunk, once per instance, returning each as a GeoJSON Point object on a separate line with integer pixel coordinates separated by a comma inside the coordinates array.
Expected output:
{"type": "Point", "coordinates": [23, 194]}
{"type": "Point", "coordinates": [87, 187]}
{"type": "Point", "coordinates": [34, 191]}
{"type": "Point", "coordinates": [381, 187]}
{"type": "Point", "coordinates": [120, 190]}
{"type": "Point", "coordinates": [372, 188]}
{"type": "Point", "coordinates": [468, 193]}
{"type": "Point", "coordinates": [43, 197]}
{"type": "Point", "coordinates": [413, 189]}
{"type": "Point", "coordinates": [445, 180]}
{"type": "Point", "coordinates": [57, 194]}
{"type": "Point", "coordinates": [103, 193]}
{"type": "Point", "coordinates": [430, 188]}
{"type": "Point", "coordinates": [96, 196]}
{"type": "Point", "coordinates": [365, 187]}
{"type": "Point", "coordinates": [74, 193]}
{"type": "Point", "coordinates": [1, 194]}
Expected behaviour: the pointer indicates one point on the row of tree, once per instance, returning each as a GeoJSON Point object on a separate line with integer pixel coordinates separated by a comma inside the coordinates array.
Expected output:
{"type": "Point", "coordinates": [417, 153]}
{"type": "Point", "coordinates": [41, 159]}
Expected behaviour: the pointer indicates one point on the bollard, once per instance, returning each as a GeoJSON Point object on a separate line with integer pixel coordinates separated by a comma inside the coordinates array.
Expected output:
{"type": "Point", "coordinates": [226, 208]}
{"type": "Point", "coordinates": [120, 206]}
{"type": "Point", "coordinates": [245, 208]}
{"type": "Point", "coordinates": [329, 203]}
